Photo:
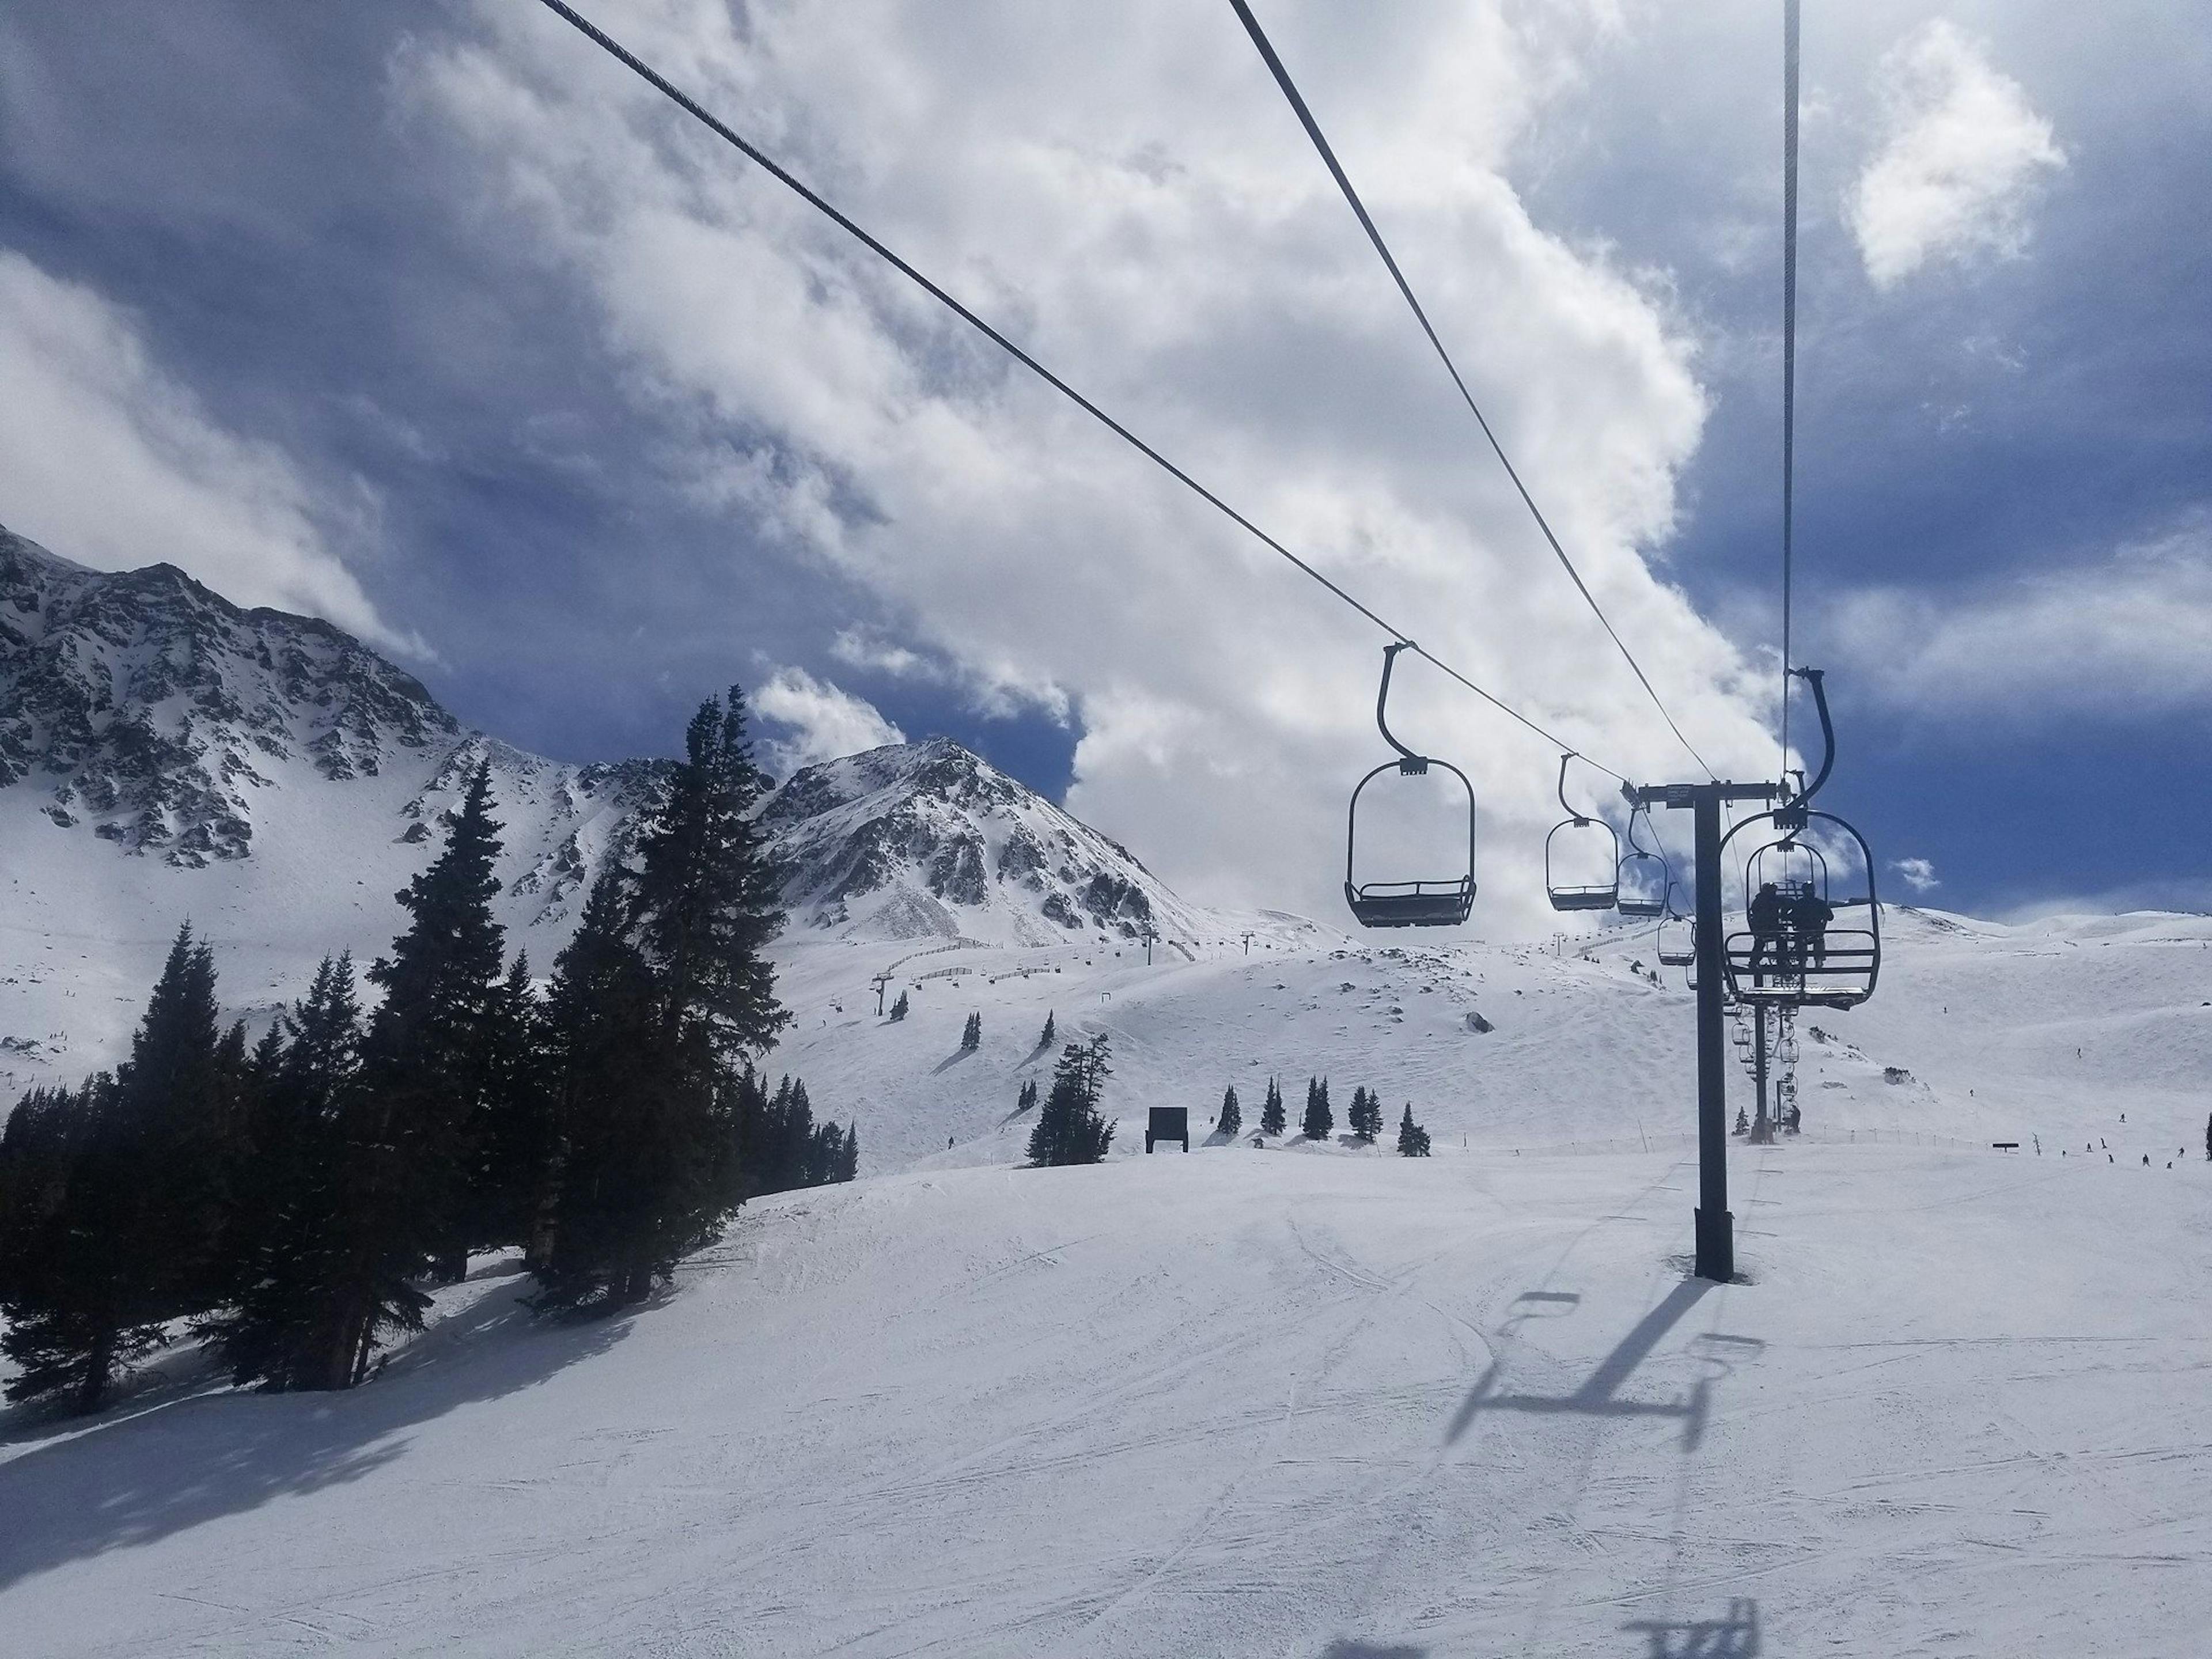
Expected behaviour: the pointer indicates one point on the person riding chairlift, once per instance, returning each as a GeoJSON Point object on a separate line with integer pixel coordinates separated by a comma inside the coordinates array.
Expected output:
{"type": "Point", "coordinates": [1787, 927]}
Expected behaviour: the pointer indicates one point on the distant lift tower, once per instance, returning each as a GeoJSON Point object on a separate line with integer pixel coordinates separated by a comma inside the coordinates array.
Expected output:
{"type": "Point", "coordinates": [1704, 801]}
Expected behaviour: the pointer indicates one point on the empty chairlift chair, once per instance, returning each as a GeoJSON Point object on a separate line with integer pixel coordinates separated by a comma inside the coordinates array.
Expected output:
{"type": "Point", "coordinates": [1642, 878]}
{"type": "Point", "coordinates": [1430, 902]}
{"type": "Point", "coordinates": [1677, 936]}
{"type": "Point", "coordinates": [1582, 858]}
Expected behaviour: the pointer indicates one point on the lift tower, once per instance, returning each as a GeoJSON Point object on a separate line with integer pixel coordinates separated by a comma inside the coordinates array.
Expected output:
{"type": "Point", "coordinates": [1704, 801]}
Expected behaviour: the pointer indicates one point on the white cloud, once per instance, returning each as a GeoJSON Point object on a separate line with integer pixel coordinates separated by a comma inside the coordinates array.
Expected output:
{"type": "Point", "coordinates": [1961, 155]}
{"type": "Point", "coordinates": [1919, 874]}
{"type": "Point", "coordinates": [2129, 636]}
{"type": "Point", "coordinates": [1123, 189]}
{"type": "Point", "coordinates": [106, 460]}
{"type": "Point", "coordinates": [824, 721]}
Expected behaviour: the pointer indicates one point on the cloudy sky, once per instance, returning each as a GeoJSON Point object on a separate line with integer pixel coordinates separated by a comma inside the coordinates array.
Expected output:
{"type": "Point", "coordinates": [431, 320]}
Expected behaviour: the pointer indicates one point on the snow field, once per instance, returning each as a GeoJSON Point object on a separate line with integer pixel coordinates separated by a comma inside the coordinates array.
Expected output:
{"type": "Point", "coordinates": [1226, 1404]}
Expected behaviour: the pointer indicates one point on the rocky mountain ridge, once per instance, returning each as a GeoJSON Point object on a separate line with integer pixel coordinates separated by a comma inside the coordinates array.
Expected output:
{"type": "Point", "coordinates": [142, 711]}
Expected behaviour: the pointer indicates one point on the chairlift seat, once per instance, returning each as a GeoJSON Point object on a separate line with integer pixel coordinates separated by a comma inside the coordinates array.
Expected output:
{"type": "Point", "coordinates": [1584, 898]}
{"type": "Point", "coordinates": [1411, 903]}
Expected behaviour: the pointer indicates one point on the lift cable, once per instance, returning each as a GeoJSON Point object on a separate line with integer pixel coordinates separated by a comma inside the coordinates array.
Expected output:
{"type": "Point", "coordinates": [1789, 335]}
{"type": "Point", "coordinates": [753, 153]}
{"type": "Point", "coordinates": [1359, 209]}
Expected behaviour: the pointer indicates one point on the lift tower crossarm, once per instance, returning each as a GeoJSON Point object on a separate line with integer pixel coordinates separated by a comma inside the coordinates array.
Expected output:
{"type": "Point", "coordinates": [1715, 1228]}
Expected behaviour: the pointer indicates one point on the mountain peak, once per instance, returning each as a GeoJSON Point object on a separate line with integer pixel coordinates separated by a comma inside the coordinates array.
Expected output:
{"type": "Point", "coordinates": [930, 838]}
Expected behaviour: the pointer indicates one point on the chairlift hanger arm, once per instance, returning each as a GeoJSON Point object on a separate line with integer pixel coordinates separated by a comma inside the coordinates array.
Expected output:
{"type": "Point", "coordinates": [1815, 679]}
{"type": "Point", "coordinates": [1383, 698]}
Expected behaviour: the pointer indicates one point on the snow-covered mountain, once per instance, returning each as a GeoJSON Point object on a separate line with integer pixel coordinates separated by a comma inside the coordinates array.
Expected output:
{"type": "Point", "coordinates": [913, 841]}
{"type": "Point", "coordinates": [166, 755]}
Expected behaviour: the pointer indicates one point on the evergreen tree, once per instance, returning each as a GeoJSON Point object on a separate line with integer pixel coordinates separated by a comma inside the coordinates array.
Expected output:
{"type": "Point", "coordinates": [176, 1113]}
{"type": "Point", "coordinates": [1070, 1128]}
{"type": "Point", "coordinates": [291, 1231]}
{"type": "Point", "coordinates": [782, 1146]}
{"type": "Point", "coordinates": [1231, 1121]}
{"type": "Point", "coordinates": [1027, 1098]}
{"type": "Point", "coordinates": [1413, 1138]}
{"type": "Point", "coordinates": [971, 1034]}
{"type": "Point", "coordinates": [1273, 1121]}
{"type": "Point", "coordinates": [397, 1204]}
{"type": "Point", "coordinates": [899, 1008]}
{"type": "Point", "coordinates": [509, 1156]}
{"type": "Point", "coordinates": [647, 1176]}
{"type": "Point", "coordinates": [127, 1185]}
{"type": "Point", "coordinates": [706, 893]}
{"type": "Point", "coordinates": [1366, 1113]}
{"type": "Point", "coordinates": [603, 1051]}
{"type": "Point", "coordinates": [430, 1042]}
{"type": "Point", "coordinates": [1051, 1026]}
{"type": "Point", "coordinates": [1319, 1119]}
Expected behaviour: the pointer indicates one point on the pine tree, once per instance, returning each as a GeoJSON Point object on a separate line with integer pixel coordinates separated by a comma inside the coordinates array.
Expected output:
{"type": "Point", "coordinates": [1070, 1128]}
{"type": "Point", "coordinates": [971, 1034]}
{"type": "Point", "coordinates": [899, 1008]}
{"type": "Point", "coordinates": [647, 1176]}
{"type": "Point", "coordinates": [1319, 1119]}
{"type": "Point", "coordinates": [398, 1197]}
{"type": "Point", "coordinates": [848, 1162]}
{"type": "Point", "coordinates": [1231, 1121]}
{"type": "Point", "coordinates": [1366, 1113]}
{"type": "Point", "coordinates": [707, 893]}
{"type": "Point", "coordinates": [130, 1235]}
{"type": "Point", "coordinates": [1027, 1099]}
{"type": "Point", "coordinates": [290, 1235]}
{"type": "Point", "coordinates": [1413, 1138]}
{"type": "Point", "coordinates": [1045, 1037]}
{"type": "Point", "coordinates": [1273, 1121]}
{"type": "Point", "coordinates": [429, 1043]}
{"type": "Point", "coordinates": [603, 1029]}
{"type": "Point", "coordinates": [520, 1121]}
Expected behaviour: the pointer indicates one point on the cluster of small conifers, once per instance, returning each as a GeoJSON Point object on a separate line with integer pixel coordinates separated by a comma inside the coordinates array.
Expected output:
{"type": "Point", "coordinates": [1071, 1129]}
{"type": "Point", "coordinates": [1366, 1116]}
{"type": "Point", "coordinates": [291, 1200]}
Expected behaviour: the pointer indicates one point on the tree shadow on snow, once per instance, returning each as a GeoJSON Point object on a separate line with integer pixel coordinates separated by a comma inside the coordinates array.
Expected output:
{"type": "Point", "coordinates": [132, 1479]}
{"type": "Point", "coordinates": [1345, 1649]}
{"type": "Point", "coordinates": [952, 1060]}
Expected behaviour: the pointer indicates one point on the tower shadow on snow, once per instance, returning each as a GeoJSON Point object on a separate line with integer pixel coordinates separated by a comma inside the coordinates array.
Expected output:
{"type": "Point", "coordinates": [1734, 1637]}
{"type": "Point", "coordinates": [1596, 1396]}
{"type": "Point", "coordinates": [173, 1467]}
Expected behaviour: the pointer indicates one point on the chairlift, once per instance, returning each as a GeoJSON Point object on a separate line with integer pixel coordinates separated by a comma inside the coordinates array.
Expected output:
{"type": "Point", "coordinates": [1424, 903]}
{"type": "Point", "coordinates": [1788, 953]}
{"type": "Point", "coordinates": [1642, 878]}
{"type": "Point", "coordinates": [1591, 846]}
{"type": "Point", "coordinates": [1677, 935]}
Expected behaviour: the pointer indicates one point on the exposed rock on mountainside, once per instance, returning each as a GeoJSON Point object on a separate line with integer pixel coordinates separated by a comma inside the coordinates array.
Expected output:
{"type": "Point", "coordinates": [151, 707]}
{"type": "Point", "coordinates": [915, 840]}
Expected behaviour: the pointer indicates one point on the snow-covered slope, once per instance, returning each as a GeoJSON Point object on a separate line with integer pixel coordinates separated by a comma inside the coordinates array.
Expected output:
{"type": "Point", "coordinates": [1983, 1021]}
{"type": "Point", "coordinates": [1240, 1403]}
